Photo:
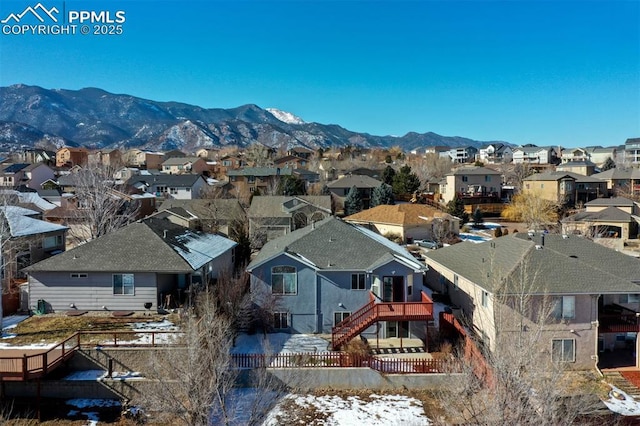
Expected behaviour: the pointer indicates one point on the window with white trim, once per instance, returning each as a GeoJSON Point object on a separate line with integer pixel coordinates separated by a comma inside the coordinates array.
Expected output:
{"type": "Point", "coordinates": [123, 284]}
{"type": "Point", "coordinates": [338, 317]}
{"type": "Point", "coordinates": [79, 275]}
{"type": "Point", "coordinates": [563, 350]}
{"type": "Point", "coordinates": [564, 307]}
{"type": "Point", "coordinates": [280, 320]}
{"type": "Point", "coordinates": [485, 299]}
{"type": "Point", "coordinates": [357, 282]}
{"type": "Point", "coordinates": [284, 280]}
{"type": "Point", "coordinates": [409, 285]}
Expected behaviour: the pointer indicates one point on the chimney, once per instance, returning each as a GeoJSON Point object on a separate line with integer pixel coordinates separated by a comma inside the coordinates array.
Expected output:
{"type": "Point", "coordinates": [165, 233]}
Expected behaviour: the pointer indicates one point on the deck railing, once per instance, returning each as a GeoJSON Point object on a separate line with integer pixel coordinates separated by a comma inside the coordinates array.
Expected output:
{"type": "Point", "coordinates": [372, 312]}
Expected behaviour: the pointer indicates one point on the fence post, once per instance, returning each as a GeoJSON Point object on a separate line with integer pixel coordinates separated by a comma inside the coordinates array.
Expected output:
{"type": "Point", "coordinates": [24, 367]}
{"type": "Point", "coordinates": [153, 338]}
{"type": "Point", "coordinates": [44, 363]}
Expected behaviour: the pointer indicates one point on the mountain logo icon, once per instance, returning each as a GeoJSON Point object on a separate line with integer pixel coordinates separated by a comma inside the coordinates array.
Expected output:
{"type": "Point", "coordinates": [38, 11]}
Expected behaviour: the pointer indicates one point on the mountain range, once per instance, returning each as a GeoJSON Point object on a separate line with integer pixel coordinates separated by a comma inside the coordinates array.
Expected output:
{"type": "Point", "coordinates": [94, 118]}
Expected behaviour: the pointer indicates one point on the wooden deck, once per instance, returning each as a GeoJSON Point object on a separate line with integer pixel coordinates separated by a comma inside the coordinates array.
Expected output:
{"type": "Point", "coordinates": [27, 364]}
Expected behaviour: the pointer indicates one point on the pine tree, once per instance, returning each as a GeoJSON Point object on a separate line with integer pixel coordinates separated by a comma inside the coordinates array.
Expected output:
{"type": "Point", "coordinates": [608, 165]}
{"type": "Point", "coordinates": [455, 207]}
{"type": "Point", "coordinates": [477, 216]}
{"type": "Point", "coordinates": [388, 174]}
{"type": "Point", "coordinates": [405, 181]}
{"type": "Point", "coordinates": [382, 195]}
{"type": "Point", "coordinates": [291, 185]}
{"type": "Point", "coordinates": [353, 202]}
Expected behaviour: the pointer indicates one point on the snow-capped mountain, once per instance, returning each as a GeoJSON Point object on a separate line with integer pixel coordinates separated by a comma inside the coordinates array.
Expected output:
{"type": "Point", "coordinates": [285, 117]}
{"type": "Point", "coordinates": [94, 118]}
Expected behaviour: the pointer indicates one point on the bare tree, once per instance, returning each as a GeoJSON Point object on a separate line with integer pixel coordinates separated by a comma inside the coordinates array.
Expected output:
{"type": "Point", "coordinates": [196, 383]}
{"type": "Point", "coordinates": [101, 205]}
{"type": "Point", "coordinates": [532, 209]}
{"type": "Point", "coordinates": [526, 384]}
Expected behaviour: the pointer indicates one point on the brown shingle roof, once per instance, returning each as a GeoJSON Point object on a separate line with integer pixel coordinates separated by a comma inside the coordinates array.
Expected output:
{"type": "Point", "coordinates": [400, 214]}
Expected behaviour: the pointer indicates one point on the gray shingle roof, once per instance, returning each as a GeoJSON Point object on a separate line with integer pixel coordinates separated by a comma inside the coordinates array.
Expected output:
{"type": "Point", "coordinates": [563, 266]}
{"type": "Point", "coordinates": [140, 247]}
{"type": "Point", "coordinates": [473, 170]}
{"type": "Point", "coordinates": [613, 201]}
{"type": "Point", "coordinates": [336, 245]}
{"type": "Point", "coordinates": [219, 208]}
{"type": "Point", "coordinates": [610, 214]}
{"type": "Point", "coordinates": [272, 206]}
{"type": "Point", "coordinates": [178, 161]}
{"type": "Point", "coordinates": [260, 171]}
{"type": "Point", "coordinates": [359, 181]}
{"type": "Point", "coordinates": [183, 181]}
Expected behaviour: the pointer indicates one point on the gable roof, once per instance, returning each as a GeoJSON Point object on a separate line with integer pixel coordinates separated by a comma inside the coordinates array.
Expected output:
{"type": "Point", "coordinates": [186, 180]}
{"type": "Point", "coordinates": [218, 208]}
{"type": "Point", "coordinates": [359, 181]}
{"type": "Point", "coordinates": [15, 168]}
{"type": "Point", "coordinates": [179, 161]}
{"type": "Point", "coordinates": [613, 201]}
{"type": "Point", "coordinates": [275, 205]}
{"type": "Point", "coordinates": [473, 170]}
{"type": "Point", "coordinates": [21, 224]}
{"type": "Point", "coordinates": [570, 265]}
{"type": "Point", "coordinates": [398, 214]}
{"type": "Point", "coordinates": [332, 244]}
{"type": "Point", "coordinates": [151, 245]}
{"type": "Point", "coordinates": [609, 214]}
{"type": "Point", "coordinates": [619, 174]}
{"type": "Point", "coordinates": [261, 171]}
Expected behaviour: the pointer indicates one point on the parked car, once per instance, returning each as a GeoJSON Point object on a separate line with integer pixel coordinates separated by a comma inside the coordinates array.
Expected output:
{"type": "Point", "coordinates": [432, 245]}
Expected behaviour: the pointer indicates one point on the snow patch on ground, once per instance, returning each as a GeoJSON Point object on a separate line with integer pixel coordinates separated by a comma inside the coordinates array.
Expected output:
{"type": "Point", "coordinates": [11, 322]}
{"type": "Point", "coordinates": [93, 403]}
{"type": "Point", "coordinates": [97, 375]}
{"type": "Point", "coordinates": [623, 404]}
{"type": "Point", "coordinates": [282, 343]}
{"type": "Point", "coordinates": [382, 410]}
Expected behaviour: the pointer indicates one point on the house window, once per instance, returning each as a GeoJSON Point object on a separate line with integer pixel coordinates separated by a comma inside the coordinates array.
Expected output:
{"type": "Point", "coordinates": [251, 179]}
{"type": "Point", "coordinates": [53, 241]}
{"type": "Point", "coordinates": [357, 282]}
{"type": "Point", "coordinates": [485, 299]}
{"type": "Point", "coordinates": [173, 191]}
{"type": "Point", "coordinates": [338, 317]}
{"type": "Point", "coordinates": [563, 350]}
{"type": "Point", "coordinates": [161, 189]}
{"type": "Point", "coordinates": [79, 275]}
{"type": "Point", "coordinates": [284, 280]}
{"type": "Point", "coordinates": [487, 178]}
{"type": "Point", "coordinates": [123, 284]}
{"type": "Point", "coordinates": [280, 320]}
{"type": "Point", "coordinates": [629, 298]}
{"type": "Point", "coordinates": [564, 307]}
{"type": "Point", "coordinates": [409, 285]}
{"type": "Point", "coordinates": [465, 178]}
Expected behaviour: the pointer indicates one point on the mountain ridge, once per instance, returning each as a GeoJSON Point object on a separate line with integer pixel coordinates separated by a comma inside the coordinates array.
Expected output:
{"type": "Point", "coordinates": [95, 118]}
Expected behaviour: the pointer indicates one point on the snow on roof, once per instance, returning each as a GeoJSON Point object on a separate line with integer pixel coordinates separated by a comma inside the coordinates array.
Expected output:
{"type": "Point", "coordinates": [199, 251]}
{"type": "Point", "coordinates": [20, 224]}
{"type": "Point", "coordinates": [35, 199]}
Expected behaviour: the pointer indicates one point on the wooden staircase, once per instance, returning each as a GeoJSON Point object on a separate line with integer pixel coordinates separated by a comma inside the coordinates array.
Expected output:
{"type": "Point", "coordinates": [376, 311]}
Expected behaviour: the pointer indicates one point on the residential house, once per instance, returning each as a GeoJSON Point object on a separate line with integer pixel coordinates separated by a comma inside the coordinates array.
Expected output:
{"type": "Point", "coordinates": [208, 215]}
{"type": "Point", "coordinates": [595, 154]}
{"type": "Point", "coordinates": [322, 275]}
{"type": "Point", "coordinates": [407, 221]}
{"type": "Point", "coordinates": [272, 216]}
{"type": "Point", "coordinates": [263, 179]}
{"type": "Point", "coordinates": [364, 184]}
{"type": "Point", "coordinates": [582, 167]}
{"type": "Point", "coordinates": [69, 157]}
{"type": "Point", "coordinates": [441, 151]}
{"type": "Point", "coordinates": [301, 152]}
{"type": "Point", "coordinates": [37, 155]}
{"type": "Point", "coordinates": [616, 217]}
{"type": "Point", "coordinates": [291, 162]}
{"type": "Point", "coordinates": [471, 182]}
{"type": "Point", "coordinates": [463, 154]}
{"type": "Point", "coordinates": [632, 151]}
{"type": "Point", "coordinates": [143, 159]}
{"type": "Point", "coordinates": [181, 165]}
{"type": "Point", "coordinates": [570, 287]}
{"type": "Point", "coordinates": [564, 187]}
{"type": "Point", "coordinates": [308, 177]}
{"type": "Point", "coordinates": [574, 154]}
{"type": "Point", "coordinates": [532, 154]}
{"type": "Point", "coordinates": [230, 162]}
{"type": "Point", "coordinates": [26, 239]}
{"type": "Point", "coordinates": [183, 187]}
{"type": "Point", "coordinates": [208, 153]}
{"type": "Point", "coordinates": [495, 153]}
{"type": "Point", "coordinates": [108, 158]}
{"type": "Point", "coordinates": [146, 265]}
{"type": "Point", "coordinates": [621, 181]}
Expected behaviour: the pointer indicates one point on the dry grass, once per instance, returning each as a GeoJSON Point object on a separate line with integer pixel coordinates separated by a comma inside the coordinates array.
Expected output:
{"type": "Point", "coordinates": [53, 328]}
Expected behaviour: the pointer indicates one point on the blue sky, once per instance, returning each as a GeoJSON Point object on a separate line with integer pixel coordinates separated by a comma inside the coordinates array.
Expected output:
{"type": "Point", "coordinates": [543, 72]}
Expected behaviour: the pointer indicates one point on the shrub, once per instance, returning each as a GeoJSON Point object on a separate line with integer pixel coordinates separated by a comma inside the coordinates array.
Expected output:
{"type": "Point", "coordinates": [506, 231]}
{"type": "Point", "coordinates": [497, 232]}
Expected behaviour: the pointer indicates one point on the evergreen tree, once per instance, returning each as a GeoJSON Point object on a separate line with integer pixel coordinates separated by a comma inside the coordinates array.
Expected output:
{"type": "Point", "coordinates": [388, 174]}
{"type": "Point", "coordinates": [477, 216]}
{"type": "Point", "coordinates": [291, 185]}
{"type": "Point", "coordinates": [455, 207]}
{"type": "Point", "coordinates": [353, 202]}
{"type": "Point", "coordinates": [608, 165]}
{"type": "Point", "coordinates": [405, 181]}
{"type": "Point", "coordinates": [325, 190]}
{"type": "Point", "coordinates": [382, 195]}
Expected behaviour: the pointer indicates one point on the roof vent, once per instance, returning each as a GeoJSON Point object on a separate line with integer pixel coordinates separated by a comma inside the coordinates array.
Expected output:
{"type": "Point", "coordinates": [573, 256]}
{"type": "Point", "coordinates": [565, 237]}
{"type": "Point", "coordinates": [329, 265]}
{"type": "Point", "coordinates": [538, 247]}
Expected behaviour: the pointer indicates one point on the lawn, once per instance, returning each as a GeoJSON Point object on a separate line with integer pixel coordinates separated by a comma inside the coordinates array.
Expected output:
{"type": "Point", "coordinates": [52, 328]}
